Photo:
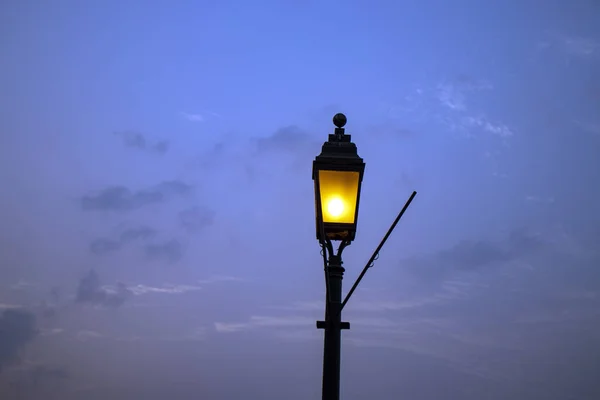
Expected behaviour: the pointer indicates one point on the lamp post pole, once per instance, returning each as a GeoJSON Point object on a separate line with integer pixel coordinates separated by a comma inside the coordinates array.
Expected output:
{"type": "Point", "coordinates": [333, 330]}
{"type": "Point", "coordinates": [333, 324]}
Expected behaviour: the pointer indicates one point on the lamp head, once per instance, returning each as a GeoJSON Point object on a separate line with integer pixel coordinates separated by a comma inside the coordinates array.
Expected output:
{"type": "Point", "coordinates": [338, 173]}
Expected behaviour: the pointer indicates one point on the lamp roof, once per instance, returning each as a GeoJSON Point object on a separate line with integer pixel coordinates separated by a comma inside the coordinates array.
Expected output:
{"type": "Point", "coordinates": [339, 151]}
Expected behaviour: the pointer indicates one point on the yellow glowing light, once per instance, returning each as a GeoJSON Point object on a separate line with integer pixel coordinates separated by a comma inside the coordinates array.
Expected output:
{"type": "Point", "coordinates": [335, 207]}
{"type": "Point", "coordinates": [339, 195]}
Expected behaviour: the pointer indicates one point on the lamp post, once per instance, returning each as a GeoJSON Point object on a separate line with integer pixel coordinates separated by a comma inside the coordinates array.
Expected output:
{"type": "Point", "coordinates": [337, 175]}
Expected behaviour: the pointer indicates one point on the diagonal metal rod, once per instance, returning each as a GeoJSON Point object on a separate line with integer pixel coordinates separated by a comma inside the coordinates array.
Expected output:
{"type": "Point", "coordinates": [376, 252]}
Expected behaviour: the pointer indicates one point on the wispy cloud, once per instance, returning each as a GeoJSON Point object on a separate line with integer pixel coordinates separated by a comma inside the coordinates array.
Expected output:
{"type": "Point", "coordinates": [138, 141]}
{"type": "Point", "coordinates": [193, 117]}
{"type": "Point", "coordinates": [579, 45]}
{"type": "Point", "coordinates": [539, 199]}
{"type": "Point", "coordinates": [264, 322]}
{"type": "Point", "coordinates": [51, 332]}
{"type": "Point", "coordinates": [451, 97]}
{"type": "Point", "coordinates": [200, 116]}
{"type": "Point", "coordinates": [120, 198]}
{"type": "Point", "coordinates": [5, 306]}
{"type": "Point", "coordinates": [481, 122]}
{"type": "Point", "coordinates": [165, 289]}
{"type": "Point", "coordinates": [225, 327]}
{"type": "Point", "coordinates": [90, 291]}
{"type": "Point", "coordinates": [453, 94]}
{"type": "Point", "coordinates": [221, 278]}
{"type": "Point", "coordinates": [87, 335]}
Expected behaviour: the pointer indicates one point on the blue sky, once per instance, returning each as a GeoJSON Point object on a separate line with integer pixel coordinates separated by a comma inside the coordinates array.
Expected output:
{"type": "Point", "coordinates": [157, 214]}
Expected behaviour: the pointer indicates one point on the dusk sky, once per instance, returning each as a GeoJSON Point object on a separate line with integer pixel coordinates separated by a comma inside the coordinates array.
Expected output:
{"type": "Point", "coordinates": [157, 235]}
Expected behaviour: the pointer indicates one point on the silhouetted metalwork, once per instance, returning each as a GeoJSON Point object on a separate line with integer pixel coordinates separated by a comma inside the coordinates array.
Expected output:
{"type": "Point", "coordinates": [338, 172]}
{"type": "Point", "coordinates": [375, 254]}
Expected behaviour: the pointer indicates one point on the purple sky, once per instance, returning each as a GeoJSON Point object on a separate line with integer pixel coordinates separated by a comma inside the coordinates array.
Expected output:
{"type": "Point", "coordinates": [158, 238]}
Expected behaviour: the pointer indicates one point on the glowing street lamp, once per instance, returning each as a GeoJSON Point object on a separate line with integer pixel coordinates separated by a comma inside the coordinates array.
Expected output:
{"type": "Point", "coordinates": [337, 173]}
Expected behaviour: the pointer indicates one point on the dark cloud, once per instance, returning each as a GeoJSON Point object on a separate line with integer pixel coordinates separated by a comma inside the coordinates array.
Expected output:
{"type": "Point", "coordinates": [55, 294]}
{"type": "Point", "coordinates": [142, 233]}
{"type": "Point", "coordinates": [470, 255]}
{"type": "Point", "coordinates": [90, 291]}
{"type": "Point", "coordinates": [289, 138]}
{"type": "Point", "coordinates": [36, 374]}
{"type": "Point", "coordinates": [120, 198]}
{"type": "Point", "coordinates": [170, 251]}
{"type": "Point", "coordinates": [174, 187]}
{"type": "Point", "coordinates": [212, 157]}
{"type": "Point", "coordinates": [138, 141]}
{"type": "Point", "coordinates": [196, 218]}
{"type": "Point", "coordinates": [47, 311]}
{"type": "Point", "coordinates": [101, 246]}
{"type": "Point", "coordinates": [17, 328]}
{"type": "Point", "coordinates": [36, 380]}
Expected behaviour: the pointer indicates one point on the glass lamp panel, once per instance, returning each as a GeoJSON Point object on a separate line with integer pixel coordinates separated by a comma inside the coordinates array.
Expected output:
{"type": "Point", "coordinates": [339, 192]}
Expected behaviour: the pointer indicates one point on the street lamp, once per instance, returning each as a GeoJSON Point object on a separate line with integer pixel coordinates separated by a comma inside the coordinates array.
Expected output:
{"type": "Point", "coordinates": [337, 174]}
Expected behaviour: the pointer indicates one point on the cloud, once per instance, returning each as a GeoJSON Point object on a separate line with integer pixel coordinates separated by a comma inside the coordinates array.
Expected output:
{"type": "Point", "coordinates": [34, 377]}
{"type": "Point", "coordinates": [51, 332]}
{"type": "Point", "coordinates": [538, 199]}
{"type": "Point", "coordinates": [481, 122]}
{"type": "Point", "coordinates": [89, 291]}
{"type": "Point", "coordinates": [264, 322]}
{"type": "Point", "coordinates": [102, 246]}
{"type": "Point", "coordinates": [138, 141]}
{"type": "Point", "coordinates": [524, 299]}
{"type": "Point", "coordinates": [141, 232]}
{"type": "Point", "coordinates": [165, 289]}
{"type": "Point", "coordinates": [86, 335]}
{"type": "Point", "coordinates": [470, 255]}
{"type": "Point", "coordinates": [17, 329]}
{"type": "Point", "coordinates": [193, 117]}
{"type": "Point", "coordinates": [220, 278]}
{"type": "Point", "coordinates": [224, 327]}
{"type": "Point", "coordinates": [199, 116]}
{"type": "Point", "coordinates": [4, 306]}
{"type": "Point", "coordinates": [579, 46]}
{"type": "Point", "coordinates": [452, 95]}
{"type": "Point", "coordinates": [196, 218]}
{"type": "Point", "coordinates": [171, 250]}
{"type": "Point", "coordinates": [42, 373]}
{"type": "Point", "coordinates": [289, 138]}
{"type": "Point", "coordinates": [120, 198]}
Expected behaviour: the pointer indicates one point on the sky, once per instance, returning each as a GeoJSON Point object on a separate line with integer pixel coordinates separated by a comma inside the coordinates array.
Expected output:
{"type": "Point", "coordinates": [158, 238]}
